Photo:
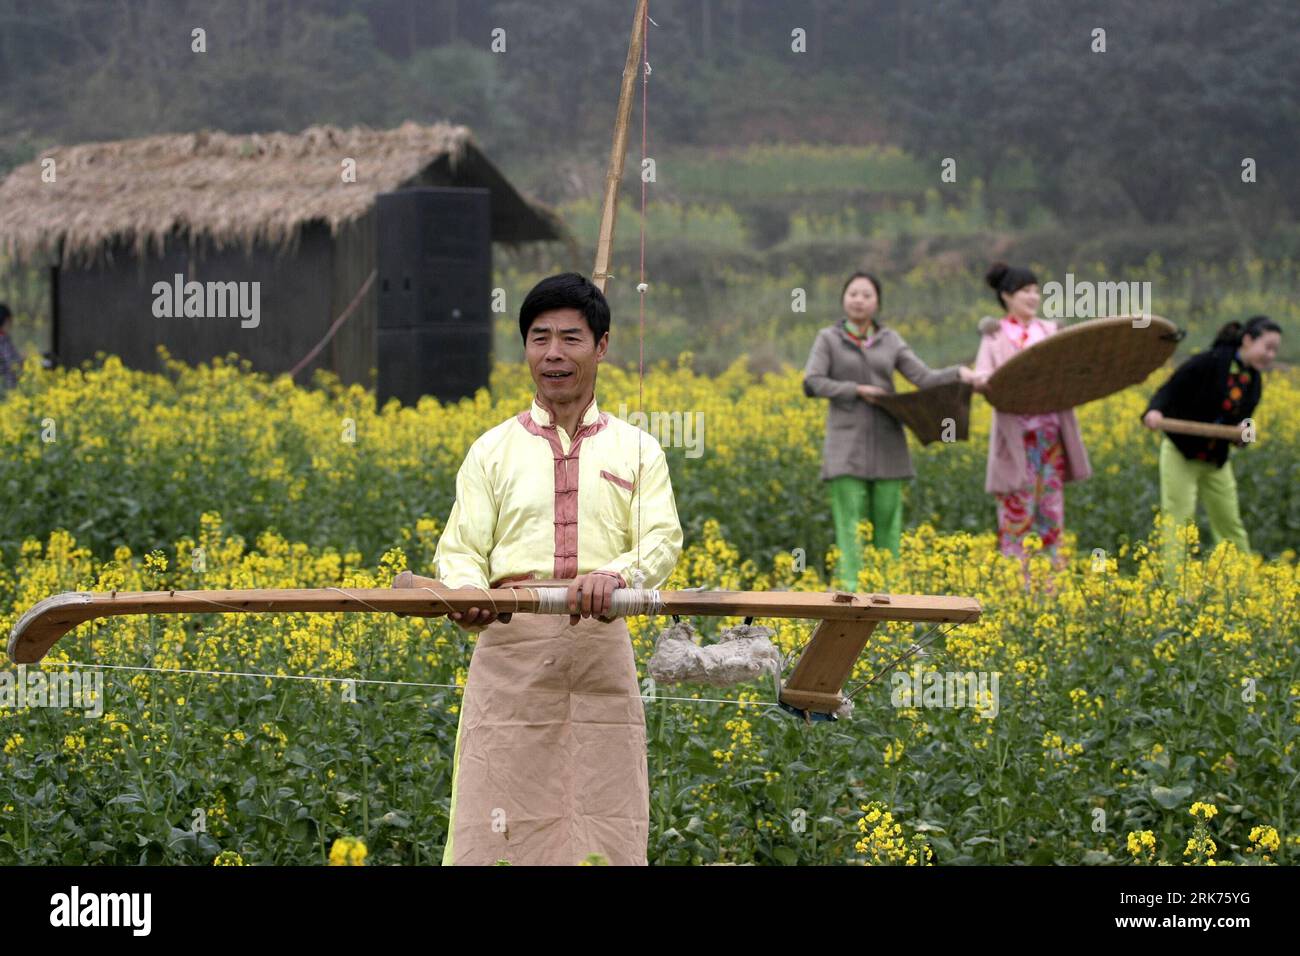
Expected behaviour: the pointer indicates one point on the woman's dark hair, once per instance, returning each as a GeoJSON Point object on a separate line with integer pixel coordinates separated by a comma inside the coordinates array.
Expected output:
{"type": "Point", "coordinates": [4, 313]}
{"type": "Point", "coordinates": [1255, 326]}
{"type": "Point", "coordinates": [1005, 280]}
{"type": "Point", "coordinates": [568, 290]}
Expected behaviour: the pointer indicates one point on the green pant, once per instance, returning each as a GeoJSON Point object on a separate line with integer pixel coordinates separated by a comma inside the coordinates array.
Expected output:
{"type": "Point", "coordinates": [1181, 480]}
{"type": "Point", "coordinates": [853, 499]}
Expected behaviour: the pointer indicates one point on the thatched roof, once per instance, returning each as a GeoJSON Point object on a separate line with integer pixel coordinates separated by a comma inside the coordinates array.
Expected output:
{"type": "Point", "coordinates": [240, 190]}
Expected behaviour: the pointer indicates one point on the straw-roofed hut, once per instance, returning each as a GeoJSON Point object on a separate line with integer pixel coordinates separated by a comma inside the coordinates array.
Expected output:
{"type": "Point", "coordinates": [300, 216]}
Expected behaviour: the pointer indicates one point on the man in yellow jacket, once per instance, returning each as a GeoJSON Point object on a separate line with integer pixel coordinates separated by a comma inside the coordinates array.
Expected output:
{"type": "Point", "coordinates": [550, 760]}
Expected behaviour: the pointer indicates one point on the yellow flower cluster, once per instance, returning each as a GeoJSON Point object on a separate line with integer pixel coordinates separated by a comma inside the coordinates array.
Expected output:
{"type": "Point", "coordinates": [278, 738]}
{"type": "Point", "coordinates": [883, 843]}
{"type": "Point", "coordinates": [1264, 840]}
{"type": "Point", "coordinates": [1142, 845]}
{"type": "Point", "coordinates": [1057, 751]}
{"type": "Point", "coordinates": [1086, 708]}
{"type": "Point", "coordinates": [348, 851]}
{"type": "Point", "coordinates": [1200, 846]}
{"type": "Point", "coordinates": [1224, 765]}
{"type": "Point", "coordinates": [894, 751]}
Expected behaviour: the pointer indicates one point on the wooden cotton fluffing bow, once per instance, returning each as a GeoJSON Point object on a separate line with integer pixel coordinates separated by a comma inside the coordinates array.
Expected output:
{"type": "Point", "coordinates": [847, 620]}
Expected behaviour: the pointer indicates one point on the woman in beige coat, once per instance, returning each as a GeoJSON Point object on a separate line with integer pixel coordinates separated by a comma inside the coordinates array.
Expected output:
{"type": "Point", "coordinates": [865, 458]}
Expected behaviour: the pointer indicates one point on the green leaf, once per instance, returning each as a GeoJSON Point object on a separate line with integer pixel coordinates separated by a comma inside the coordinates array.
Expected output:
{"type": "Point", "coordinates": [785, 855]}
{"type": "Point", "coordinates": [1171, 797]}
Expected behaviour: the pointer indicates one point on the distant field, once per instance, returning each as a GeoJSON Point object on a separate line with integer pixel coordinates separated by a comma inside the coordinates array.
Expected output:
{"type": "Point", "coordinates": [936, 308]}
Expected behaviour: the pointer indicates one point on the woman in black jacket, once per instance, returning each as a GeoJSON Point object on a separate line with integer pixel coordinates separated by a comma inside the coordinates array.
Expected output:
{"type": "Point", "coordinates": [1220, 386]}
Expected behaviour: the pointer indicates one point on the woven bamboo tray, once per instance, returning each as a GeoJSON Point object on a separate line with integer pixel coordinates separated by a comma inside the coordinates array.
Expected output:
{"type": "Point", "coordinates": [1082, 363]}
{"type": "Point", "coordinates": [926, 410]}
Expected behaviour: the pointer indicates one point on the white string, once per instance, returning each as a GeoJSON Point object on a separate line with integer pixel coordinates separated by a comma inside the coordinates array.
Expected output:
{"type": "Point", "coordinates": [198, 597]}
{"type": "Point", "coordinates": [625, 602]}
{"type": "Point", "coordinates": [355, 598]}
{"type": "Point", "coordinates": [641, 288]}
{"type": "Point", "coordinates": [717, 700]}
{"type": "Point", "coordinates": [391, 683]}
{"type": "Point", "coordinates": [206, 673]}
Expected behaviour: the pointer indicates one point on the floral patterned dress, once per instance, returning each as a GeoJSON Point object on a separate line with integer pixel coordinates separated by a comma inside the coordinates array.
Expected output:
{"type": "Point", "coordinates": [1038, 507]}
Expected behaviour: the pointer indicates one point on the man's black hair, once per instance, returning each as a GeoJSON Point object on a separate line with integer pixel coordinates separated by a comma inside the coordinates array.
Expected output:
{"type": "Point", "coordinates": [568, 290]}
{"type": "Point", "coordinates": [4, 313]}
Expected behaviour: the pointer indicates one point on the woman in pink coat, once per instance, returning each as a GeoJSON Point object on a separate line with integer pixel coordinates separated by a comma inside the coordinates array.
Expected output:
{"type": "Point", "coordinates": [1030, 456]}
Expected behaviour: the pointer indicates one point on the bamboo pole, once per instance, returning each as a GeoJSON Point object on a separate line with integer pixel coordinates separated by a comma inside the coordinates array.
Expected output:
{"type": "Point", "coordinates": [618, 151]}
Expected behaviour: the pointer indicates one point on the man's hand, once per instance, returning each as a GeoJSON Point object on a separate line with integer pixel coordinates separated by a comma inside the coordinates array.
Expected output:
{"type": "Point", "coordinates": [591, 595]}
{"type": "Point", "coordinates": [1152, 419]}
{"type": "Point", "coordinates": [476, 618]}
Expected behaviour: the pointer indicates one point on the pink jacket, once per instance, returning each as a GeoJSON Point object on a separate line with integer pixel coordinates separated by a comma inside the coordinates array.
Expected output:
{"type": "Point", "coordinates": [1006, 468]}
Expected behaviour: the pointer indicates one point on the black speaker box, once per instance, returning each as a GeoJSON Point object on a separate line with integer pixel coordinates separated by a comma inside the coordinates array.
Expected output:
{"type": "Point", "coordinates": [434, 256]}
{"type": "Point", "coordinates": [449, 362]}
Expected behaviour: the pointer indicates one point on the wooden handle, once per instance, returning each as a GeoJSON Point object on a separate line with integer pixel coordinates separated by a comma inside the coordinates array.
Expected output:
{"type": "Point", "coordinates": [1182, 426]}
{"type": "Point", "coordinates": [819, 676]}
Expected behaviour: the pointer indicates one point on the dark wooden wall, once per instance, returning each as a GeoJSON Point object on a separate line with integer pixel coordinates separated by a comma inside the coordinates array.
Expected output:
{"type": "Point", "coordinates": [109, 307]}
{"type": "Point", "coordinates": [352, 351]}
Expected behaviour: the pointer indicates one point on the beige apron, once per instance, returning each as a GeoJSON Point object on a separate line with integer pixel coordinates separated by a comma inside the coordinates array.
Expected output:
{"type": "Point", "coordinates": [550, 761]}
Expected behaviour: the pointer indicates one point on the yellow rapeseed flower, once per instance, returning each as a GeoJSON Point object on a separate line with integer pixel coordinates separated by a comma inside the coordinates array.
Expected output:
{"type": "Point", "coordinates": [347, 851]}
